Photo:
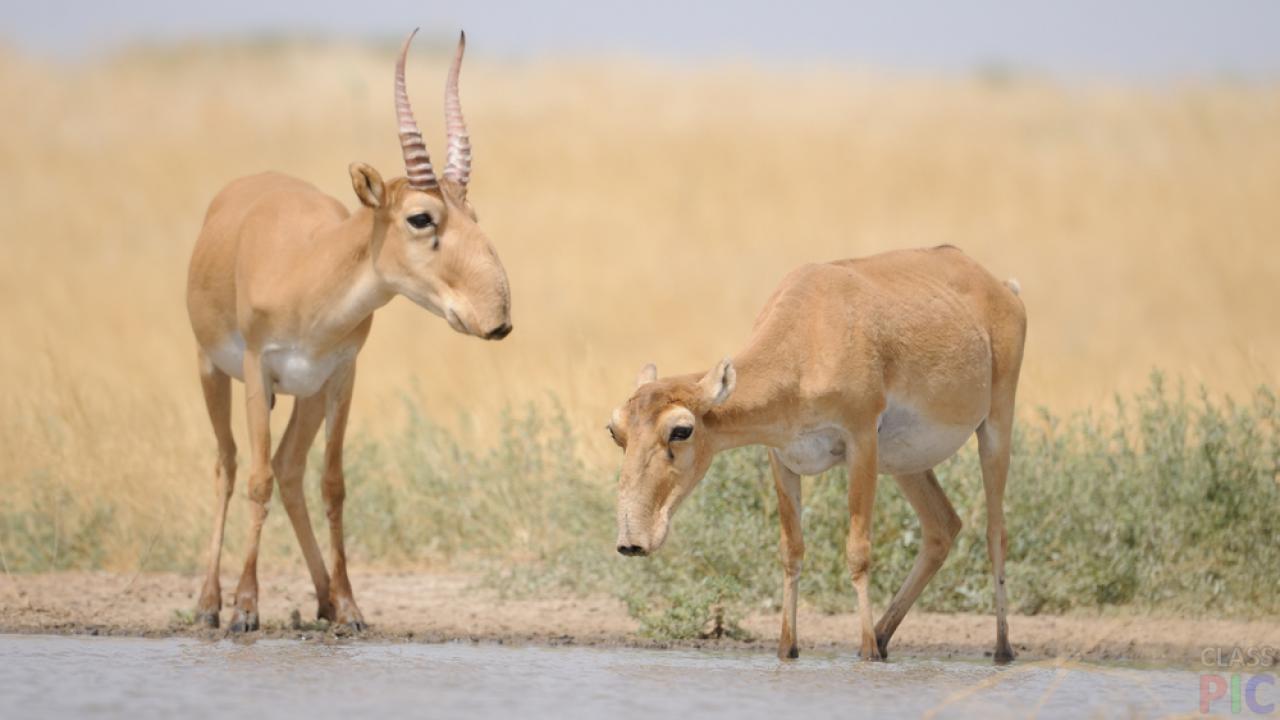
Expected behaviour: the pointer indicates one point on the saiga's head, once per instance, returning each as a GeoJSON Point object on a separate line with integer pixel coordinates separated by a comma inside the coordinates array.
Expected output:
{"type": "Point", "coordinates": [666, 450]}
{"type": "Point", "coordinates": [427, 244]}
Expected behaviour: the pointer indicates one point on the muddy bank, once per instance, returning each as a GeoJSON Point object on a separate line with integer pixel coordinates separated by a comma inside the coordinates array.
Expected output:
{"type": "Point", "coordinates": [433, 607]}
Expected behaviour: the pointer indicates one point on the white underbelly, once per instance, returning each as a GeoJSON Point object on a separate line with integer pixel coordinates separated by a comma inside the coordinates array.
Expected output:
{"type": "Point", "coordinates": [294, 371]}
{"type": "Point", "coordinates": [290, 370]}
{"type": "Point", "coordinates": [228, 356]}
{"type": "Point", "coordinates": [909, 442]}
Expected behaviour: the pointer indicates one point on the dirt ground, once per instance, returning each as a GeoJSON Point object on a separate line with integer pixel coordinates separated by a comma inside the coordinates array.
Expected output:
{"type": "Point", "coordinates": [435, 607]}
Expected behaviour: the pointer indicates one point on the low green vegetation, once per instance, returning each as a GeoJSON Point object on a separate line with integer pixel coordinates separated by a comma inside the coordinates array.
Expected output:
{"type": "Point", "coordinates": [51, 531]}
{"type": "Point", "coordinates": [1168, 501]}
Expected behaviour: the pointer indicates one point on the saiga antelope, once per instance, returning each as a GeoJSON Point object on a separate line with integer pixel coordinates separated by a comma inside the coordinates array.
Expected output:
{"type": "Point", "coordinates": [886, 363]}
{"type": "Point", "coordinates": [281, 292]}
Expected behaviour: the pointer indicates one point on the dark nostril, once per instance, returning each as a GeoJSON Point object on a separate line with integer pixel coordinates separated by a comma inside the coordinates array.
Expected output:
{"type": "Point", "coordinates": [630, 550]}
{"type": "Point", "coordinates": [499, 332]}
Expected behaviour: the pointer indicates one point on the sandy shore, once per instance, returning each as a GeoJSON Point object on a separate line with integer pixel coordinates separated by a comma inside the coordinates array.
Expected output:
{"type": "Point", "coordinates": [431, 607]}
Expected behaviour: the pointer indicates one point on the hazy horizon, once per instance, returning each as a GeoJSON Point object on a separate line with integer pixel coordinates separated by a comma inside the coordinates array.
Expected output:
{"type": "Point", "coordinates": [1145, 40]}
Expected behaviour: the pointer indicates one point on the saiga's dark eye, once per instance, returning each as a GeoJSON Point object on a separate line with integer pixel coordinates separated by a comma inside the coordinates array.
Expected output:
{"type": "Point", "coordinates": [421, 221]}
{"type": "Point", "coordinates": [680, 432]}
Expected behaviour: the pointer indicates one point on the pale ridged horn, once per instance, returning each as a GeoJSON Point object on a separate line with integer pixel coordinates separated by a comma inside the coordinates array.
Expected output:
{"type": "Point", "coordinates": [417, 162]}
{"type": "Point", "coordinates": [458, 167]}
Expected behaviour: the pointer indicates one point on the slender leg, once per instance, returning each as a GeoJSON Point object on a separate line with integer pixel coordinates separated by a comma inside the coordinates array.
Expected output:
{"type": "Point", "coordinates": [290, 467]}
{"type": "Point", "coordinates": [995, 442]}
{"type": "Point", "coordinates": [791, 549]}
{"type": "Point", "coordinates": [217, 399]}
{"type": "Point", "coordinates": [258, 408]}
{"type": "Point", "coordinates": [993, 449]}
{"type": "Point", "coordinates": [939, 526]}
{"type": "Point", "coordinates": [337, 408]}
{"type": "Point", "coordinates": [862, 495]}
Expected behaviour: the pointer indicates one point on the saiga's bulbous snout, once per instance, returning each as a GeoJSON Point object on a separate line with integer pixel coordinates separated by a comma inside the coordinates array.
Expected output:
{"type": "Point", "coordinates": [499, 332]}
{"type": "Point", "coordinates": [638, 535]}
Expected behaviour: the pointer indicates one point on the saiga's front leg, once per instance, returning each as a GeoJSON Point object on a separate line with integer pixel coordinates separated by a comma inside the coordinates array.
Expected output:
{"type": "Point", "coordinates": [258, 410]}
{"type": "Point", "coordinates": [217, 396]}
{"type": "Point", "coordinates": [791, 550]}
{"type": "Point", "coordinates": [290, 467]}
{"type": "Point", "coordinates": [863, 448]}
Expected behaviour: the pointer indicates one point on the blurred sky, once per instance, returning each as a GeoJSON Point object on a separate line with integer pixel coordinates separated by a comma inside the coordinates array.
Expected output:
{"type": "Point", "coordinates": [1142, 39]}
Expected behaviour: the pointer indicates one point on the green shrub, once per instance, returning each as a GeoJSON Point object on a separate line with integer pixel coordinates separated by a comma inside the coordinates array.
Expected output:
{"type": "Point", "coordinates": [422, 496]}
{"type": "Point", "coordinates": [52, 533]}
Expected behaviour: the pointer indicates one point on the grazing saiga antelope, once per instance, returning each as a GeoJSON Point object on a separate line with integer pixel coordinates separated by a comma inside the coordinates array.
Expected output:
{"type": "Point", "coordinates": [281, 292]}
{"type": "Point", "coordinates": [888, 364]}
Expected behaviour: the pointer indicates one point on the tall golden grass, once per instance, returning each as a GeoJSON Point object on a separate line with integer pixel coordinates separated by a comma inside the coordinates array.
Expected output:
{"type": "Point", "coordinates": [644, 212]}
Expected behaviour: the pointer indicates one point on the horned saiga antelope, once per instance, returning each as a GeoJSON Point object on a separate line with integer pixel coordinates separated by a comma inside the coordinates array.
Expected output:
{"type": "Point", "coordinates": [887, 364]}
{"type": "Point", "coordinates": [282, 289]}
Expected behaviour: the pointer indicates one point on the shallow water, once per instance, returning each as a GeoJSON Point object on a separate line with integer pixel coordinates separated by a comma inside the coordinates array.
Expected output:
{"type": "Point", "coordinates": [43, 676]}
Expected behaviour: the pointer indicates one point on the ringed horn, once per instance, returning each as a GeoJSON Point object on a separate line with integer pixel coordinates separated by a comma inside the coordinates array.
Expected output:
{"type": "Point", "coordinates": [458, 168]}
{"type": "Point", "coordinates": [417, 162]}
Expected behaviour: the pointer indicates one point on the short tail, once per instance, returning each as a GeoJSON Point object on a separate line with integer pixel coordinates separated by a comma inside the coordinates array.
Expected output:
{"type": "Point", "coordinates": [1014, 285]}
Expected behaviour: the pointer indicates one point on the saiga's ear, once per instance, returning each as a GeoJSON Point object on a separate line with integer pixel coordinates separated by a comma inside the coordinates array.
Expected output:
{"type": "Point", "coordinates": [718, 383]}
{"type": "Point", "coordinates": [368, 185]}
{"type": "Point", "coordinates": [648, 374]}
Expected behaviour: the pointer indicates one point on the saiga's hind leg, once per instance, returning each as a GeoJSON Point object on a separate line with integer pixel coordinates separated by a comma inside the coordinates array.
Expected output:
{"type": "Point", "coordinates": [995, 441]}
{"type": "Point", "coordinates": [993, 449]}
{"type": "Point", "coordinates": [217, 398]}
{"type": "Point", "coordinates": [939, 526]}
{"type": "Point", "coordinates": [337, 407]}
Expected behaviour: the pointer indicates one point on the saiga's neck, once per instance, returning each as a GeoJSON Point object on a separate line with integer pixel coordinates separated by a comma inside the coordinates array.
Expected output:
{"type": "Point", "coordinates": [351, 290]}
{"type": "Point", "coordinates": [757, 411]}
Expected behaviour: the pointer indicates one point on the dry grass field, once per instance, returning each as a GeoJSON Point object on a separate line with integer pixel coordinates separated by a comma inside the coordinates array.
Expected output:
{"type": "Point", "coordinates": [644, 213]}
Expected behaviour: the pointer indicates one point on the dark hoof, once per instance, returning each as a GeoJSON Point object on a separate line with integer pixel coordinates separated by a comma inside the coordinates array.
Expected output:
{"type": "Point", "coordinates": [207, 619]}
{"type": "Point", "coordinates": [882, 644]}
{"type": "Point", "coordinates": [244, 622]}
{"type": "Point", "coordinates": [790, 653]}
{"type": "Point", "coordinates": [1004, 654]}
{"type": "Point", "coordinates": [871, 648]}
{"type": "Point", "coordinates": [326, 612]}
